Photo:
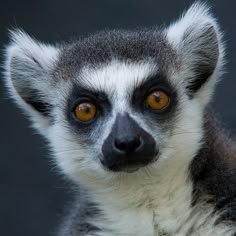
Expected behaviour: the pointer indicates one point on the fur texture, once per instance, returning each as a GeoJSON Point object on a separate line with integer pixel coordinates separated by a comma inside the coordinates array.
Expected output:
{"type": "Point", "coordinates": [189, 188]}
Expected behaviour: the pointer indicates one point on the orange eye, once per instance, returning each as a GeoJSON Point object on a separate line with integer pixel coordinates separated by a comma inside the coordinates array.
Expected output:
{"type": "Point", "coordinates": [85, 111]}
{"type": "Point", "coordinates": [158, 100]}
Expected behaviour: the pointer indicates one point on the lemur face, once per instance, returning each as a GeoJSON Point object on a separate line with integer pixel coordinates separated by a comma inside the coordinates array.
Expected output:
{"type": "Point", "coordinates": [120, 113]}
{"type": "Point", "coordinates": [120, 102]}
{"type": "Point", "coordinates": [124, 117]}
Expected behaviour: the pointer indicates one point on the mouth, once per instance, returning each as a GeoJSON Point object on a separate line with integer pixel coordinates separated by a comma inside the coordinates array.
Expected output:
{"type": "Point", "coordinates": [130, 165]}
{"type": "Point", "coordinates": [127, 169]}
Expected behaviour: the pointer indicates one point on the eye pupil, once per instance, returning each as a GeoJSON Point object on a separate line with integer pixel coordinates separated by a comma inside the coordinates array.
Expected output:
{"type": "Point", "coordinates": [87, 110]}
{"type": "Point", "coordinates": [157, 98]}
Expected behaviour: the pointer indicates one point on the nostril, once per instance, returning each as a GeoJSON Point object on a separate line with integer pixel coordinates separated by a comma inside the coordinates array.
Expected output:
{"type": "Point", "coordinates": [127, 145]}
{"type": "Point", "coordinates": [121, 145]}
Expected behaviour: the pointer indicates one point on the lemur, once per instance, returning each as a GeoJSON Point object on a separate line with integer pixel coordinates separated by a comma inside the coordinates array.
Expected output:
{"type": "Point", "coordinates": [126, 115]}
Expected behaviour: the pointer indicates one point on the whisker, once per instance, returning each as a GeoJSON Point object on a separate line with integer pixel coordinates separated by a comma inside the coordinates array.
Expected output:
{"type": "Point", "coordinates": [68, 151]}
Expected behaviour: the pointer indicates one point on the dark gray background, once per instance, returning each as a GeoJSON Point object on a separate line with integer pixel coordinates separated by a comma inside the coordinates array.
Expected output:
{"type": "Point", "coordinates": [32, 194]}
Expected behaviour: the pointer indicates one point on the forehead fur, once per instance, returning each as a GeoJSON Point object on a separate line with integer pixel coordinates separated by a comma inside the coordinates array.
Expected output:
{"type": "Point", "coordinates": [126, 46]}
{"type": "Point", "coordinates": [117, 77]}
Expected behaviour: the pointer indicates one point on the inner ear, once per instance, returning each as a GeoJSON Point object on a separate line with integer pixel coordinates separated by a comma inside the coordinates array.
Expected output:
{"type": "Point", "coordinates": [205, 57]}
{"type": "Point", "coordinates": [33, 99]}
{"type": "Point", "coordinates": [197, 40]}
{"type": "Point", "coordinates": [27, 76]}
{"type": "Point", "coordinates": [29, 67]}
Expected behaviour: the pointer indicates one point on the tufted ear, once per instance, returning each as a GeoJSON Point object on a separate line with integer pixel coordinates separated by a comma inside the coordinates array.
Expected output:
{"type": "Point", "coordinates": [198, 42]}
{"type": "Point", "coordinates": [28, 73]}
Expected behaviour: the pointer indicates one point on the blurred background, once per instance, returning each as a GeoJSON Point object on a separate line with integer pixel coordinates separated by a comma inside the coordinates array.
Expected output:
{"type": "Point", "coordinates": [32, 194]}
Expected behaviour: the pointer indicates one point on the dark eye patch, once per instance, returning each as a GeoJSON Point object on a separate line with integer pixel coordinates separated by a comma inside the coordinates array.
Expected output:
{"type": "Point", "coordinates": [81, 94]}
{"type": "Point", "coordinates": [154, 83]}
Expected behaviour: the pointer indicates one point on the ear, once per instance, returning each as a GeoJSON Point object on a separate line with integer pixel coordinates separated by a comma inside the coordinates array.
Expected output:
{"type": "Point", "coordinates": [198, 42]}
{"type": "Point", "coordinates": [28, 72]}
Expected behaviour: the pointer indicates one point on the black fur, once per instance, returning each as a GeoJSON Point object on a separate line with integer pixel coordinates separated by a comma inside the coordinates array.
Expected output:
{"type": "Point", "coordinates": [213, 171]}
{"type": "Point", "coordinates": [76, 221]}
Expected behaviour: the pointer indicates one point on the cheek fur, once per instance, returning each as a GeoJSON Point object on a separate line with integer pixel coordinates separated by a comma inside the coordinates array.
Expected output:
{"type": "Point", "coordinates": [78, 156]}
{"type": "Point", "coordinates": [185, 138]}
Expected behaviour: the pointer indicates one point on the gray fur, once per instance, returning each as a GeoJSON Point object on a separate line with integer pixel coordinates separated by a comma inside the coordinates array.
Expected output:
{"type": "Point", "coordinates": [105, 46]}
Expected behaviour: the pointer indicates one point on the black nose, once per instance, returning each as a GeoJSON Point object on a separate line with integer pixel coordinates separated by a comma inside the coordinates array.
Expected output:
{"type": "Point", "coordinates": [128, 146]}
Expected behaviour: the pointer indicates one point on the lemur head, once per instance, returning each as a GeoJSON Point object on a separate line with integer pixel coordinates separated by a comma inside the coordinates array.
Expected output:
{"type": "Point", "coordinates": [120, 102]}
